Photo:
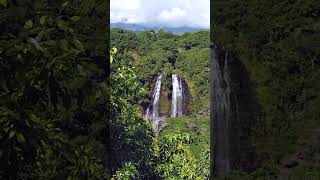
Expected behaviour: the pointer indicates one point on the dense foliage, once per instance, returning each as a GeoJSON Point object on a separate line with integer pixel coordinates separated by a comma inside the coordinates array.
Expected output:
{"type": "Point", "coordinates": [54, 95]}
{"type": "Point", "coordinates": [131, 136]}
{"type": "Point", "coordinates": [278, 41]}
{"type": "Point", "coordinates": [176, 160]}
{"type": "Point", "coordinates": [160, 52]}
{"type": "Point", "coordinates": [143, 57]}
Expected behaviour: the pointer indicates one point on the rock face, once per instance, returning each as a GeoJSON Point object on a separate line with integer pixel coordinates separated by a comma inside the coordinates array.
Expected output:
{"type": "Point", "coordinates": [234, 114]}
{"type": "Point", "coordinates": [187, 97]}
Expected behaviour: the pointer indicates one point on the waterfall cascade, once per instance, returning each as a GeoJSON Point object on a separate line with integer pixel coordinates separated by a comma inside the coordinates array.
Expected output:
{"type": "Point", "coordinates": [221, 108]}
{"type": "Point", "coordinates": [155, 105]}
{"type": "Point", "coordinates": [177, 96]}
{"type": "Point", "coordinates": [179, 101]}
{"type": "Point", "coordinates": [235, 114]}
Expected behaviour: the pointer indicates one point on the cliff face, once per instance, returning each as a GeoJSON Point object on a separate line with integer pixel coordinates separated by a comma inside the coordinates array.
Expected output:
{"type": "Point", "coordinates": [235, 114]}
{"type": "Point", "coordinates": [247, 112]}
{"type": "Point", "coordinates": [187, 98]}
{"type": "Point", "coordinates": [277, 42]}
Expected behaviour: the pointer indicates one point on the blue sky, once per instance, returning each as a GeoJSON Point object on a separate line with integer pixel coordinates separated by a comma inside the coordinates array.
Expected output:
{"type": "Point", "coordinates": [173, 13]}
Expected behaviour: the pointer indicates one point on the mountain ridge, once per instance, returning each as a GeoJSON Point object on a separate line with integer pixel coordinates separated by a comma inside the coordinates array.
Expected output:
{"type": "Point", "coordinates": [147, 27]}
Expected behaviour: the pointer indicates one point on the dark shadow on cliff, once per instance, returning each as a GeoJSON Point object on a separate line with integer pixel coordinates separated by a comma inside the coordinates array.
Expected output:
{"type": "Point", "coordinates": [244, 111]}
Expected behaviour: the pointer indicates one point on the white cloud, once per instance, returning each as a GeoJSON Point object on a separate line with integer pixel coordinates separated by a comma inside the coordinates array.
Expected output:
{"type": "Point", "coordinates": [172, 14]}
{"type": "Point", "coordinates": [194, 13]}
{"type": "Point", "coordinates": [125, 4]}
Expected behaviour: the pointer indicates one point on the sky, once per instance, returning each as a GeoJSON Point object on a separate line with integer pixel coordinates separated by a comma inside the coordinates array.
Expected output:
{"type": "Point", "coordinates": [171, 13]}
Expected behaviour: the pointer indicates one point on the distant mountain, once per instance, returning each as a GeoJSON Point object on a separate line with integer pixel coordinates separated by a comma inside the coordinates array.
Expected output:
{"type": "Point", "coordinates": [146, 27]}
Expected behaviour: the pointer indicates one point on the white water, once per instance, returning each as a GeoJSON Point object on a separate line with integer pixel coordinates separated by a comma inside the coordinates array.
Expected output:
{"type": "Point", "coordinates": [155, 104]}
{"type": "Point", "coordinates": [176, 103]}
{"type": "Point", "coordinates": [147, 113]}
{"type": "Point", "coordinates": [156, 99]}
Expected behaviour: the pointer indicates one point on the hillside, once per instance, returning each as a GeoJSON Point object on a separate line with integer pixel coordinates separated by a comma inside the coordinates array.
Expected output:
{"type": "Point", "coordinates": [277, 43]}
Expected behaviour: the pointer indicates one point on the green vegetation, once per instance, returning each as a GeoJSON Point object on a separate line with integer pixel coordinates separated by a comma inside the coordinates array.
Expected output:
{"type": "Point", "coordinates": [56, 99]}
{"type": "Point", "coordinates": [53, 90]}
{"type": "Point", "coordinates": [192, 67]}
{"type": "Point", "coordinates": [163, 52]}
{"type": "Point", "coordinates": [176, 160]}
{"type": "Point", "coordinates": [131, 137]}
{"type": "Point", "coordinates": [278, 42]}
{"type": "Point", "coordinates": [198, 127]}
{"type": "Point", "coordinates": [181, 151]}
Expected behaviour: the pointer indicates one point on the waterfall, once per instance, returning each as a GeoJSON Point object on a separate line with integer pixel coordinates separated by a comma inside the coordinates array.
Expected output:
{"type": "Point", "coordinates": [178, 102]}
{"type": "Point", "coordinates": [221, 113]}
{"type": "Point", "coordinates": [235, 114]}
{"type": "Point", "coordinates": [155, 105]}
{"type": "Point", "coordinates": [177, 98]}
{"type": "Point", "coordinates": [147, 113]}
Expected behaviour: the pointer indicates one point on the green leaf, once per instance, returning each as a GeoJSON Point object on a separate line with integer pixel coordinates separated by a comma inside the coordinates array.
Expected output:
{"type": "Point", "coordinates": [111, 59]}
{"type": "Point", "coordinates": [34, 118]}
{"type": "Point", "coordinates": [11, 134]}
{"type": "Point", "coordinates": [113, 51]}
{"type": "Point", "coordinates": [75, 18]}
{"type": "Point", "coordinates": [64, 45]}
{"type": "Point", "coordinates": [43, 20]}
{"type": "Point", "coordinates": [78, 44]}
{"type": "Point", "coordinates": [21, 138]}
{"type": "Point", "coordinates": [25, 50]}
{"type": "Point", "coordinates": [3, 3]}
{"type": "Point", "coordinates": [28, 24]}
{"type": "Point", "coordinates": [65, 4]}
{"type": "Point", "coordinates": [62, 24]}
{"type": "Point", "coordinates": [50, 43]}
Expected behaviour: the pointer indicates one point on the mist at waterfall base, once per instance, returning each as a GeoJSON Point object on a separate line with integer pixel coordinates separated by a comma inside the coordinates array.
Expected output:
{"type": "Point", "coordinates": [153, 110]}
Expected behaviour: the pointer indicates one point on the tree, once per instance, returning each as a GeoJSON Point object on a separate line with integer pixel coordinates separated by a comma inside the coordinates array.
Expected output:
{"type": "Point", "coordinates": [131, 136]}
{"type": "Point", "coordinates": [176, 160]}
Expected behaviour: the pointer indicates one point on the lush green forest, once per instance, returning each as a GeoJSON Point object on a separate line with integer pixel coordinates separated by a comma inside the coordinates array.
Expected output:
{"type": "Point", "coordinates": [181, 150]}
{"type": "Point", "coordinates": [278, 42]}
{"type": "Point", "coordinates": [54, 89]}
